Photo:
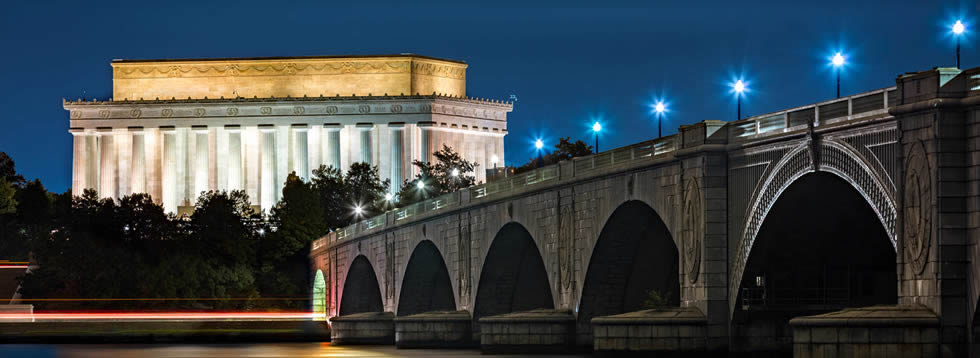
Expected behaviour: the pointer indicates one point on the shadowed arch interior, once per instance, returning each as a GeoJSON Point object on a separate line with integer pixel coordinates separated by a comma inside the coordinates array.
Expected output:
{"type": "Point", "coordinates": [634, 256]}
{"type": "Point", "coordinates": [513, 278]}
{"type": "Point", "coordinates": [821, 248]}
{"type": "Point", "coordinates": [426, 286]}
{"type": "Point", "coordinates": [361, 290]}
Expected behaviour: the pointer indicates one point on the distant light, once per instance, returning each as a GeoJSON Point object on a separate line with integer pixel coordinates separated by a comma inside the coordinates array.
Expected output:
{"type": "Point", "coordinates": [420, 185]}
{"type": "Point", "coordinates": [739, 86]}
{"type": "Point", "coordinates": [838, 60]}
{"type": "Point", "coordinates": [596, 127]}
{"type": "Point", "coordinates": [358, 210]}
{"type": "Point", "coordinates": [659, 107]}
{"type": "Point", "coordinates": [126, 228]}
{"type": "Point", "coordinates": [261, 231]}
{"type": "Point", "coordinates": [454, 172]}
{"type": "Point", "coordinates": [493, 159]}
{"type": "Point", "coordinates": [958, 27]}
{"type": "Point", "coordinates": [389, 196]}
{"type": "Point", "coordinates": [538, 144]}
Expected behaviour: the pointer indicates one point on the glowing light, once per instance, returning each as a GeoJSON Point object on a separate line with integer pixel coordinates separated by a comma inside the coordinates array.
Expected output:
{"type": "Point", "coordinates": [739, 87]}
{"type": "Point", "coordinates": [389, 196]}
{"type": "Point", "coordinates": [454, 172]}
{"type": "Point", "coordinates": [958, 28]}
{"type": "Point", "coordinates": [420, 185]}
{"type": "Point", "coordinates": [136, 316]}
{"type": "Point", "coordinates": [660, 107]}
{"type": "Point", "coordinates": [838, 60]}
{"type": "Point", "coordinates": [538, 144]}
{"type": "Point", "coordinates": [358, 210]}
{"type": "Point", "coordinates": [261, 231]}
{"type": "Point", "coordinates": [596, 127]}
{"type": "Point", "coordinates": [493, 159]}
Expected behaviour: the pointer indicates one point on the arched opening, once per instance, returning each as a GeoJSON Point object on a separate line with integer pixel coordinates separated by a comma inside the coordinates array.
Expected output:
{"type": "Point", "coordinates": [319, 297]}
{"type": "Point", "coordinates": [821, 248]}
{"type": "Point", "coordinates": [361, 290]}
{"type": "Point", "coordinates": [513, 278]}
{"type": "Point", "coordinates": [634, 266]}
{"type": "Point", "coordinates": [426, 286]}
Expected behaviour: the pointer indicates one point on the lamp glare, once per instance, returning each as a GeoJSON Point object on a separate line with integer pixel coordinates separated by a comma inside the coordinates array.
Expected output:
{"type": "Point", "coordinates": [958, 27]}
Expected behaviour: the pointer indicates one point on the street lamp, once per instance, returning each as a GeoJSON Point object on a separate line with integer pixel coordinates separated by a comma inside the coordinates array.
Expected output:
{"type": "Point", "coordinates": [389, 196]}
{"type": "Point", "coordinates": [838, 62]}
{"type": "Point", "coordinates": [454, 172]}
{"type": "Point", "coordinates": [596, 127]}
{"type": "Point", "coordinates": [958, 29]}
{"type": "Point", "coordinates": [358, 211]}
{"type": "Point", "coordinates": [420, 185]}
{"type": "Point", "coordinates": [538, 145]}
{"type": "Point", "coordinates": [660, 108]}
{"type": "Point", "coordinates": [739, 88]}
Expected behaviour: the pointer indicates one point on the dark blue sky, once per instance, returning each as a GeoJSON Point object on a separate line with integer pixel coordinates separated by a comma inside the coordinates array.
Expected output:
{"type": "Point", "coordinates": [567, 62]}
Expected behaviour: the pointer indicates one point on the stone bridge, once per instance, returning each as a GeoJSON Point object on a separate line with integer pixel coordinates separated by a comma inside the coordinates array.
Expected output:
{"type": "Point", "coordinates": [728, 230]}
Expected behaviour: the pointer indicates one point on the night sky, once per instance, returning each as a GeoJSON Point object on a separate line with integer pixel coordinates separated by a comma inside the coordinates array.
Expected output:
{"type": "Point", "coordinates": [568, 66]}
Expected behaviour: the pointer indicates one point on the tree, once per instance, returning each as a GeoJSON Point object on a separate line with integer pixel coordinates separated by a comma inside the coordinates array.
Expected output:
{"type": "Point", "coordinates": [330, 187]}
{"type": "Point", "coordinates": [367, 190]}
{"type": "Point", "coordinates": [448, 173]}
{"type": "Point", "coordinates": [8, 205]}
{"type": "Point", "coordinates": [564, 150]}
{"type": "Point", "coordinates": [8, 172]}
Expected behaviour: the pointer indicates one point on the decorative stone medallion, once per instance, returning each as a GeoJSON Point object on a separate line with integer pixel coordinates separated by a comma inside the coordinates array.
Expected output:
{"type": "Point", "coordinates": [104, 113]}
{"type": "Point", "coordinates": [199, 112]}
{"type": "Point", "coordinates": [299, 110]}
{"type": "Point", "coordinates": [396, 108]}
{"type": "Point", "coordinates": [917, 199]}
{"type": "Point", "coordinates": [76, 114]}
{"type": "Point", "coordinates": [136, 113]}
{"type": "Point", "coordinates": [566, 245]}
{"type": "Point", "coordinates": [693, 234]}
{"type": "Point", "coordinates": [331, 110]}
{"type": "Point", "coordinates": [232, 111]}
{"type": "Point", "coordinates": [364, 108]}
{"type": "Point", "coordinates": [265, 110]}
{"type": "Point", "coordinates": [167, 113]}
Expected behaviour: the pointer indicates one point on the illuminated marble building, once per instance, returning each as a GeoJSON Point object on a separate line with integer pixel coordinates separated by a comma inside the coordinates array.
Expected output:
{"type": "Point", "coordinates": [175, 128]}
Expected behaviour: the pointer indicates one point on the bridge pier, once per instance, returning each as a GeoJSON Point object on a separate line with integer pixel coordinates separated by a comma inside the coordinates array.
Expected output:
{"type": "Point", "coordinates": [677, 330]}
{"type": "Point", "coordinates": [363, 328]}
{"type": "Point", "coordinates": [878, 331]}
{"type": "Point", "coordinates": [536, 331]}
{"type": "Point", "coordinates": [434, 330]}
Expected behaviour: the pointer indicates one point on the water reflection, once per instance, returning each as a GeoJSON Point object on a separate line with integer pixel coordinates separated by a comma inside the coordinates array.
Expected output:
{"type": "Point", "coordinates": [229, 350]}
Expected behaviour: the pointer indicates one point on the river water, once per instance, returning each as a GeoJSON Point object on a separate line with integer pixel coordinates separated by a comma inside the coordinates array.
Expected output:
{"type": "Point", "coordinates": [229, 350]}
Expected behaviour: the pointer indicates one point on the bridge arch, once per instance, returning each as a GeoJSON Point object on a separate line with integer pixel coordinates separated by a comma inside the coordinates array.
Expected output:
{"type": "Point", "coordinates": [426, 285]}
{"type": "Point", "coordinates": [834, 157]}
{"type": "Point", "coordinates": [319, 296]}
{"type": "Point", "coordinates": [361, 291]}
{"type": "Point", "coordinates": [816, 252]}
{"type": "Point", "coordinates": [634, 256]}
{"type": "Point", "coordinates": [513, 277]}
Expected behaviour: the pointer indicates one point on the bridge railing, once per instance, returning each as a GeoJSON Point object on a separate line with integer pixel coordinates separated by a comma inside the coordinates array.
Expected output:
{"type": "Point", "coordinates": [861, 105]}
{"type": "Point", "coordinates": [587, 165]}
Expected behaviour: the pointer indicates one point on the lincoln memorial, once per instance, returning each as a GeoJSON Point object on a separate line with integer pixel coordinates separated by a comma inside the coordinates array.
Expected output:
{"type": "Point", "coordinates": [176, 128]}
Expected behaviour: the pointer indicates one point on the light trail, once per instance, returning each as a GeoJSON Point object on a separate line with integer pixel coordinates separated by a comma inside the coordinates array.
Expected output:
{"type": "Point", "coordinates": [156, 316]}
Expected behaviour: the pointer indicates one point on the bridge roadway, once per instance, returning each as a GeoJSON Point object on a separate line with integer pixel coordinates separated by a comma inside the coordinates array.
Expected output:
{"type": "Point", "coordinates": [730, 229]}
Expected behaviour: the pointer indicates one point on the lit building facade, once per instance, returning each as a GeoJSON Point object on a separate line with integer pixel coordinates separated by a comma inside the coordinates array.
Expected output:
{"type": "Point", "coordinates": [176, 128]}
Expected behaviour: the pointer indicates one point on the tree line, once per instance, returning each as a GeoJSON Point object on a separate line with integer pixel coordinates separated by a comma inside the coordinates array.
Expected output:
{"type": "Point", "coordinates": [222, 256]}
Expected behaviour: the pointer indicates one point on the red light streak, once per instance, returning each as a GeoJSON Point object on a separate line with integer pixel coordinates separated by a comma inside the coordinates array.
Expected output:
{"type": "Point", "coordinates": [24, 267]}
{"type": "Point", "coordinates": [150, 316]}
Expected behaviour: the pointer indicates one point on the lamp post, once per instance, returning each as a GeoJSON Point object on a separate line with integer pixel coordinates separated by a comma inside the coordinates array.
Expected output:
{"type": "Point", "coordinates": [838, 62]}
{"type": "Point", "coordinates": [660, 108]}
{"type": "Point", "coordinates": [739, 87]}
{"type": "Point", "coordinates": [538, 145]}
{"type": "Point", "coordinates": [958, 29]}
{"type": "Point", "coordinates": [596, 127]}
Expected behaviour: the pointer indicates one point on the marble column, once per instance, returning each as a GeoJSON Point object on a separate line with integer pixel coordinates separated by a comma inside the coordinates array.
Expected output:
{"type": "Point", "coordinates": [234, 160]}
{"type": "Point", "coordinates": [425, 141]}
{"type": "Point", "coordinates": [314, 150]}
{"type": "Point", "coordinates": [267, 197]}
{"type": "Point", "coordinates": [252, 163]}
{"type": "Point", "coordinates": [169, 173]}
{"type": "Point", "coordinates": [79, 165]}
{"type": "Point", "coordinates": [183, 187]}
{"type": "Point", "coordinates": [331, 146]}
{"type": "Point", "coordinates": [108, 161]}
{"type": "Point", "coordinates": [201, 168]}
{"type": "Point", "coordinates": [397, 156]}
{"type": "Point", "coordinates": [124, 157]}
{"type": "Point", "coordinates": [153, 152]}
{"type": "Point", "coordinates": [299, 156]}
{"type": "Point", "coordinates": [364, 130]}
{"type": "Point", "coordinates": [93, 155]}
{"type": "Point", "coordinates": [137, 177]}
